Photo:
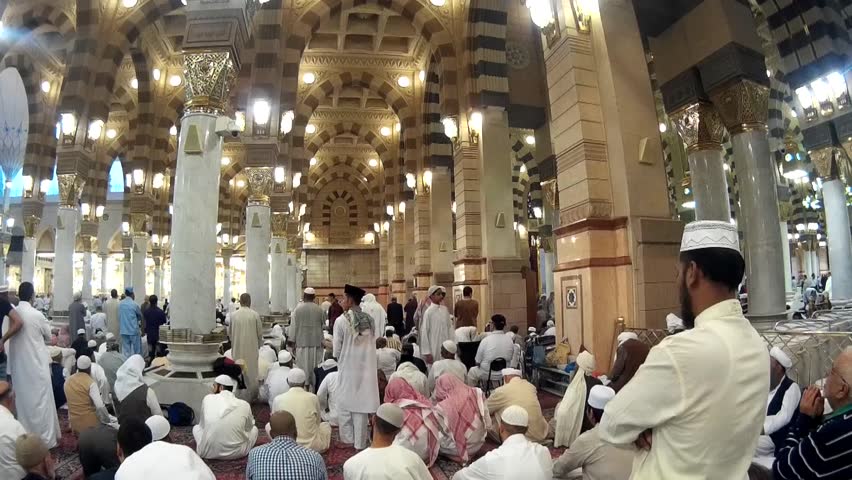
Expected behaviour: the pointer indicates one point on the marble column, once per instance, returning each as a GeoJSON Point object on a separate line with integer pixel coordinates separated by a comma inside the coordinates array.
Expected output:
{"type": "Point", "coordinates": [137, 268]}
{"type": "Point", "coordinates": [226, 274]}
{"type": "Point", "coordinates": [158, 279]}
{"type": "Point", "coordinates": [422, 239]}
{"type": "Point", "coordinates": [292, 279]}
{"type": "Point", "coordinates": [104, 258]}
{"type": "Point", "coordinates": [28, 255]}
{"type": "Point", "coordinates": [441, 225]}
{"type": "Point", "coordinates": [702, 130]}
{"type": "Point", "coordinates": [258, 237]}
{"type": "Point", "coordinates": [278, 283]}
{"type": "Point", "coordinates": [788, 264]}
{"type": "Point", "coordinates": [743, 107]}
{"type": "Point", "coordinates": [196, 190]}
{"type": "Point", "coordinates": [87, 273]}
{"type": "Point", "coordinates": [63, 261]}
{"type": "Point", "coordinates": [837, 222]}
{"type": "Point", "coordinates": [125, 270]}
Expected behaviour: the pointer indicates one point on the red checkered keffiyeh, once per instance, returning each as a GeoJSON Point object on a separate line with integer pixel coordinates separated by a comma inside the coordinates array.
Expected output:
{"type": "Point", "coordinates": [419, 417]}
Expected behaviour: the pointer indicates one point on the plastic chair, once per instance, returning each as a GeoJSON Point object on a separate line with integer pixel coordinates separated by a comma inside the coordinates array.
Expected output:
{"type": "Point", "coordinates": [497, 365]}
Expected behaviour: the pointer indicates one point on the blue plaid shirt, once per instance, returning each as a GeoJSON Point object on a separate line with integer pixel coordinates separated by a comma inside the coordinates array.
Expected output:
{"type": "Point", "coordinates": [284, 458]}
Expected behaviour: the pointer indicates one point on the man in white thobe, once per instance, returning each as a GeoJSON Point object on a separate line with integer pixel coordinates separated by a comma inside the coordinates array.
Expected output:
{"type": "Point", "coordinates": [781, 405]}
{"type": "Point", "coordinates": [313, 433]}
{"type": "Point", "coordinates": [111, 311]}
{"type": "Point", "coordinates": [306, 325]}
{"type": "Point", "coordinates": [696, 406]}
{"type": "Point", "coordinates": [495, 345]}
{"type": "Point", "coordinates": [10, 430]}
{"type": "Point", "coordinates": [448, 364]}
{"type": "Point", "coordinates": [355, 350]}
{"type": "Point", "coordinates": [372, 308]}
{"type": "Point", "coordinates": [226, 429]}
{"type": "Point", "coordinates": [29, 367]}
{"type": "Point", "coordinates": [551, 329]}
{"type": "Point", "coordinates": [327, 395]}
{"type": "Point", "coordinates": [164, 460]}
{"type": "Point", "coordinates": [516, 458]}
{"type": "Point", "coordinates": [437, 325]}
{"type": "Point", "coordinates": [386, 358]}
{"type": "Point", "coordinates": [98, 320]}
{"type": "Point", "coordinates": [276, 379]}
{"type": "Point", "coordinates": [246, 337]}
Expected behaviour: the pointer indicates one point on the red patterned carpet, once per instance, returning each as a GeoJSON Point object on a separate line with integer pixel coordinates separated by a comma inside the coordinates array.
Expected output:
{"type": "Point", "coordinates": [68, 461]}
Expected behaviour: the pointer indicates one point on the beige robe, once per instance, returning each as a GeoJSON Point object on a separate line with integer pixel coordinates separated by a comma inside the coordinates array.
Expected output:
{"type": "Point", "coordinates": [313, 433]}
{"type": "Point", "coordinates": [111, 310]}
{"type": "Point", "coordinates": [523, 394]}
{"type": "Point", "coordinates": [246, 338]}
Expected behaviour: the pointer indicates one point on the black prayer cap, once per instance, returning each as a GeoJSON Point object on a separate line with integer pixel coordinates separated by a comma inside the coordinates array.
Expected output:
{"type": "Point", "coordinates": [356, 293]}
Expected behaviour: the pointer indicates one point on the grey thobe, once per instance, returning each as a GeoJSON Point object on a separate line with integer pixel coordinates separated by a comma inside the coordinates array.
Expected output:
{"type": "Point", "coordinates": [306, 332]}
{"type": "Point", "coordinates": [246, 337]}
{"type": "Point", "coordinates": [76, 318]}
{"type": "Point", "coordinates": [111, 310]}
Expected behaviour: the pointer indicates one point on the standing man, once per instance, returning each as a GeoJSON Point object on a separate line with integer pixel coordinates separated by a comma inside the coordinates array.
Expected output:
{"type": "Point", "coordinates": [246, 337]}
{"type": "Point", "coordinates": [334, 310]}
{"type": "Point", "coordinates": [437, 325]}
{"type": "Point", "coordinates": [467, 309]}
{"type": "Point", "coordinates": [326, 304]}
{"type": "Point", "coordinates": [355, 350]}
{"type": "Point", "coordinates": [678, 407]}
{"type": "Point", "coordinates": [306, 332]}
{"type": "Point", "coordinates": [154, 318]}
{"type": "Point", "coordinates": [98, 320]}
{"type": "Point", "coordinates": [372, 308]}
{"type": "Point", "coordinates": [15, 324]}
{"type": "Point", "coordinates": [130, 318]}
{"type": "Point", "coordinates": [111, 310]}
{"type": "Point", "coordinates": [410, 309]}
{"type": "Point", "coordinates": [77, 314]}
{"type": "Point", "coordinates": [31, 372]}
{"type": "Point", "coordinates": [396, 317]}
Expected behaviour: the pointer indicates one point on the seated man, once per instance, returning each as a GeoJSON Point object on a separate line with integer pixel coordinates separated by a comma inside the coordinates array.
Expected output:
{"type": "Point", "coordinates": [86, 407]}
{"type": "Point", "coordinates": [818, 447]}
{"type": "Point", "coordinates": [226, 429]}
{"type": "Point", "coordinates": [327, 396]}
{"type": "Point", "coordinates": [516, 458]}
{"type": "Point", "coordinates": [283, 457]}
{"type": "Point", "coordinates": [384, 460]}
{"type": "Point", "coordinates": [32, 454]}
{"type": "Point", "coordinates": [386, 358]}
{"type": "Point", "coordinates": [305, 408]}
{"type": "Point", "coordinates": [57, 377]}
{"type": "Point", "coordinates": [784, 398]}
{"type": "Point", "coordinates": [599, 461]}
{"type": "Point", "coordinates": [133, 435]}
{"type": "Point", "coordinates": [276, 378]}
{"type": "Point", "coordinates": [495, 345]}
{"type": "Point", "coordinates": [392, 338]}
{"type": "Point", "coordinates": [163, 460]}
{"type": "Point", "coordinates": [447, 364]}
{"type": "Point", "coordinates": [413, 376]}
{"type": "Point", "coordinates": [96, 447]}
{"type": "Point", "coordinates": [10, 430]}
{"type": "Point", "coordinates": [111, 360]}
{"type": "Point", "coordinates": [409, 354]}
{"type": "Point", "coordinates": [517, 391]}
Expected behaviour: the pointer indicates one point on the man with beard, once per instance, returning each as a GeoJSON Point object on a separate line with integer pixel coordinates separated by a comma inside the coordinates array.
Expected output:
{"type": "Point", "coordinates": [695, 408]}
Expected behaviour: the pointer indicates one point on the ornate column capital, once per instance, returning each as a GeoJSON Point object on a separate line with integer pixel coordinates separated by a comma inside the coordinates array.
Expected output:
{"type": "Point", "coordinates": [70, 189]}
{"type": "Point", "coordinates": [139, 224]}
{"type": "Point", "coordinates": [832, 162]}
{"type": "Point", "coordinates": [209, 78]}
{"type": "Point", "coordinates": [86, 243]}
{"type": "Point", "coordinates": [279, 225]}
{"type": "Point", "coordinates": [260, 182]}
{"type": "Point", "coordinates": [743, 106]}
{"type": "Point", "coordinates": [700, 127]}
{"type": "Point", "coordinates": [31, 225]}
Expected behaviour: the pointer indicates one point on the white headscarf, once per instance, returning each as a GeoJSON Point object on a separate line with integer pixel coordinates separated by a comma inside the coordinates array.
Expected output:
{"type": "Point", "coordinates": [129, 376]}
{"type": "Point", "coordinates": [411, 374]}
{"type": "Point", "coordinates": [569, 413]}
{"type": "Point", "coordinates": [163, 459]}
{"type": "Point", "coordinates": [268, 354]}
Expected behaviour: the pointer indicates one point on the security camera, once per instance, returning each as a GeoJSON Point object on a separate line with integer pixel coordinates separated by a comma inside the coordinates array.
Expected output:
{"type": "Point", "coordinates": [227, 127]}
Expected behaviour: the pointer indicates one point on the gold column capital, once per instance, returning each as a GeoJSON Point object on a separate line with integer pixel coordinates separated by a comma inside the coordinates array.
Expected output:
{"type": "Point", "coordinates": [31, 225]}
{"type": "Point", "coordinates": [70, 188]}
{"type": "Point", "coordinates": [743, 106]}
{"type": "Point", "coordinates": [139, 224]}
{"type": "Point", "coordinates": [86, 243]}
{"type": "Point", "coordinates": [700, 127]}
{"type": "Point", "coordinates": [279, 224]}
{"type": "Point", "coordinates": [209, 78]}
{"type": "Point", "coordinates": [259, 180]}
{"type": "Point", "coordinates": [832, 162]}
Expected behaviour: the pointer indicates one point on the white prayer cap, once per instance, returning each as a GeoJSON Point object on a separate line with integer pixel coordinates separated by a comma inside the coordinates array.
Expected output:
{"type": "Point", "coordinates": [450, 346]}
{"type": "Point", "coordinates": [709, 234]}
{"type": "Point", "coordinates": [508, 372]}
{"type": "Point", "coordinates": [81, 331]}
{"type": "Point", "coordinates": [92, 344]}
{"type": "Point", "coordinates": [781, 357]}
{"type": "Point", "coordinates": [550, 323]}
{"type": "Point", "coordinates": [4, 288]}
{"type": "Point", "coordinates": [84, 363]}
{"type": "Point", "coordinates": [99, 334]}
{"type": "Point", "coordinates": [516, 416]}
{"type": "Point", "coordinates": [625, 336]}
{"type": "Point", "coordinates": [391, 413]}
{"type": "Point", "coordinates": [435, 288]}
{"type": "Point", "coordinates": [330, 363]}
{"type": "Point", "coordinates": [599, 396]}
{"type": "Point", "coordinates": [673, 321]}
{"type": "Point", "coordinates": [159, 427]}
{"type": "Point", "coordinates": [225, 381]}
{"type": "Point", "coordinates": [310, 291]}
{"type": "Point", "coordinates": [297, 377]}
{"type": "Point", "coordinates": [110, 336]}
{"type": "Point", "coordinates": [531, 329]}
{"type": "Point", "coordinates": [284, 356]}
{"type": "Point", "coordinates": [390, 328]}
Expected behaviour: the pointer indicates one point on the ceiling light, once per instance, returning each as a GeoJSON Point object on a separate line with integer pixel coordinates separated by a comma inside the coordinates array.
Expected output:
{"type": "Point", "coordinates": [404, 81]}
{"type": "Point", "coordinates": [297, 179]}
{"type": "Point", "coordinates": [451, 129]}
{"type": "Point", "coordinates": [476, 121]}
{"type": "Point", "coordinates": [309, 78]}
{"type": "Point", "coordinates": [438, 3]}
{"type": "Point", "coordinates": [158, 180]}
{"type": "Point", "coordinates": [311, 128]}
{"type": "Point", "coordinates": [313, 161]}
{"type": "Point", "coordinates": [173, 130]}
{"type": "Point", "coordinates": [373, 163]}
{"type": "Point", "coordinates": [241, 183]}
{"type": "Point", "coordinates": [376, 227]}
{"type": "Point", "coordinates": [240, 120]}
{"type": "Point", "coordinates": [96, 128]}
{"type": "Point", "coordinates": [134, 83]}
{"type": "Point", "coordinates": [45, 86]}
{"type": "Point", "coordinates": [422, 75]}
{"type": "Point", "coordinates": [175, 80]}
{"type": "Point", "coordinates": [156, 73]}
{"type": "Point", "coordinates": [279, 175]}
{"type": "Point", "coordinates": [530, 140]}
{"type": "Point", "coordinates": [410, 180]}
{"type": "Point", "coordinates": [689, 205]}
{"type": "Point", "coordinates": [385, 131]}
{"type": "Point", "coordinates": [537, 212]}
{"type": "Point", "coordinates": [68, 123]}
{"type": "Point", "coordinates": [663, 127]}
{"type": "Point", "coordinates": [820, 89]}
{"type": "Point", "coordinates": [128, 3]}
{"type": "Point", "coordinates": [286, 122]}
{"type": "Point", "coordinates": [226, 161]}
{"type": "Point", "coordinates": [401, 207]}
{"type": "Point", "coordinates": [795, 174]}
{"type": "Point", "coordinates": [541, 12]}
{"type": "Point", "coordinates": [302, 209]}
{"type": "Point", "coordinates": [389, 210]}
{"type": "Point", "coordinates": [111, 133]}
{"type": "Point", "coordinates": [427, 178]}
{"type": "Point", "coordinates": [261, 112]}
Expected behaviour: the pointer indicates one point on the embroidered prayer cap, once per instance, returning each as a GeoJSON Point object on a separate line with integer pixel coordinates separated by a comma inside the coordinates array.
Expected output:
{"type": "Point", "coordinates": [516, 416]}
{"type": "Point", "coordinates": [392, 414]}
{"type": "Point", "coordinates": [389, 328]}
{"type": "Point", "coordinates": [709, 234]}
{"type": "Point", "coordinates": [81, 331]}
{"type": "Point", "coordinates": [781, 357]}
{"type": "Point", "coordinates": [225, 381]}
{"type": "Point", "coordinates": [508, 372]}
{"type": "Point", "coordinates": [30, 450]}
{"type": "Point", "coordinates": [530, 329]}
{"type": "Point", "coordinates": [284, 356]}
{"type": "Point", "coordinates": [435, 288]}
{"type": "Point", "coordinates": [310, 291]}
{"type": "Point", "coordinates": [354, 292]}
{"type": "Point", "coordinates": [159, 427]}
{"type": "Point", "coordinates": [296, 377]}
{"type": "Point", "coordinates": [110, 336]}
{"type": "Point", "coordinates": [599, 396]}
{"type": "Point", "coordinates": [92, 344]}
{"type": "Point", "coordinates": [84, 363]}
{"type": "Point", "coordinates": [450, 346]}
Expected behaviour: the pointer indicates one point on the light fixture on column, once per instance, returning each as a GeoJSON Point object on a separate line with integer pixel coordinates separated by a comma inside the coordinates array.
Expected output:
{"type": "Point", "coordinates": [225, 161]}
{"type": "Point", "coordinates": [139, 180]}
{"type": "Point", "coordinates": [125, 227]}
{"type": "Point", "coordinates": [822, 243]}
{"type": "Point", "coordinates": [813, 226]}
{"type": "Point", "coordinates": [28, 186]}
{"type": "Point", "coordinates": [99, 211]}
{"type": "Point", "coordinates": [474, 127]}
{"type": "Point", "coordinates": [837, 83]}
{"type": "Point", "coordinates": [286, 122]}
{"type": "Point", "coordinates": [523, 168]}
{"type": "Point", "coordinates": [241, 183]}
{"type": "Point", "coordinates": [401, 208]}
{"type": "Point", "coordinates": [583, 10]}
{"type": "Point", "coordinates": [226, 239]}
{"type": "Point", "coordinates": [68, 127]}
{"type": "Point", "coordinates": [290, 207]}
{"type": "Point", "coordinates": [369, 237]}
{"type": "Point", "coordinates": [451, 128]}
{"type": "Point", "coordinates": [173, 130]}
{"type": "Point", "coordinates": [386, 226]}
{"type": "Point", "coordinates": [806, 100]}
{"type": "Point", "coordinates": [111, 133]}
{"type": "Point", "coordinates": [389, 210]}
{"type": "Point", "coordinates": [541, 12]}
{"type": "Point", "coordinates": [530, 139]}
{"type": "Point", "coordinates": [453, 207]}
{"type": "Point", "coordinates": [422, 75]}
{"type": "Point", "coordinates": [438, 3]}
{"type": "Point", "coordinates": [95, 130]}
{"type": "Point", "coordinates": [261, 111]}
{"type": "Point", "coordinates": [309, 78]}
{"type": "Point", "coordinates": [822, 95]}
{"type": "Point", "coordinates": [134, 83]}
{"type": "Point", "coordinates": [175, 80]}
{"type": "Point", "coordinates": [373, 163]}
{"type": "Point", "coordinates": [279, 174]}
{"type": "Point", "coordinates": [156, 74]}
{"type": "Point", "coordinates": [537, 212]}
{"type": "Point", "coordinates": [240, 120]}
{"type": "Point", "coordinates": [313, 161]}
{"type": "Point", "coordinates": [376, 227]}
{"type": "Point", "coordinates": [43, 187]}
{"type": "Point", "coordinates": [403, 81]}
{"type": "Point", "coordinates": [218, 228]}
{"type": "Point", "coordinates": [10, 223]}
{"type": "Point", "coordinates": [690, 205]}
{"type": "Point", "coordinates": [302, 210]}
{"type": "Point", "coordinates": [158, 181]}
{"type": "Point", "coordinates": [410, 180]}
{"type": "Point", "coordinates": [307, 227]}
{"type": "Point", "coordinates": [85, 210]}
{"type": "Point", "coordinates": [311, 129]}
{"type": "Point", "coordinates": [427, 181]}
{"type": "Point", "coordinates": [297, 179]}
{"type": "Point", "coordinates": [793, 168]}
{"type": "Point", "coordinates": [385, 131]}
{"type": "Point", "coordinates": [128, 3]}
{"type": "Point", "coordinates": [800, 227]}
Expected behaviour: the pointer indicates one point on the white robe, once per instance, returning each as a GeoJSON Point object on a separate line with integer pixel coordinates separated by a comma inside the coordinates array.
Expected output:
{"type": "Point", "coordinates": [275, 384]}
{"type": "Point", "coordinates": [10, 430]}
{"type": "Point", "coordinates": [327, 395]}
{"type": "Point", "coordinates": [160, 460]}
{"type": "Point", "coordinates": [226, 430]}
{"type": "Point", "coordinates": [30, 370]}
{"type": "Point", "coordinates": [389, 463]}
{"type": "Point", "coordinates": [373, 309]}
{"type": "Point", "coordinates": [437, 328]}
{"type": "Point", "coordinates": [356, 363]}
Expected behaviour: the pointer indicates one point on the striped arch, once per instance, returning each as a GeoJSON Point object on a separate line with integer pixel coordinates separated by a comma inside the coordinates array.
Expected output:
{"type": "Point", "coordinates": [351, 169]}
{"type": "Point", "coordinates": [520, 186]}
{"type": "Point", "coordinates": [349, 175]}
{"type": "Point", "coordinates": [418, 12]}
{"type": "Point", "coordinates": [363, 132]}
{"type": "Point", "coordinates": [97, 186]}
{"type": "Point", "coordinates": [525, 155]}
{"type": "Point", "coordinates": [339, 191]}
{"type": "Point", "coordinates": [489, 82]}
{"type": "Point", "coordinates": [438, 148]}
{"type": "Point", "coordinates": [331, 197]}
{"type": "Point", "coordinates": [142, 117]}
{"type": "Point", "coordinates": [35, 18]}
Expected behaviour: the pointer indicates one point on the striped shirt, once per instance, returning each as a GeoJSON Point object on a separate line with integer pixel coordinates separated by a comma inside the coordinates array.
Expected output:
{"type": "Point", "coordinates": [824, 452]}
{"type": "Point", "coordinates": [284, 458]}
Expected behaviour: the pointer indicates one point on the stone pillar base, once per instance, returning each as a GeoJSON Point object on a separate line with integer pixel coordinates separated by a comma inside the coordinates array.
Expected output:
{"type": "Point", "coordinates": [188, 387]}
{"type": "Point", "coordinates": [192, 357]}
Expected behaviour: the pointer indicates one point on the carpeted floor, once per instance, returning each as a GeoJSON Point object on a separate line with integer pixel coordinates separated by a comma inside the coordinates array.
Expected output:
{"type": "Point", "coordinates": [68, 461]}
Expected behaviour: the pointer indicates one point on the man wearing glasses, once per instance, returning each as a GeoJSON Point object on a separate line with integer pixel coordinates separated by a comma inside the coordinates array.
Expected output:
{"type": "Point", "coordinates": [437, 325]}
{"type": "Point", "coordinates": [817, 446]}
